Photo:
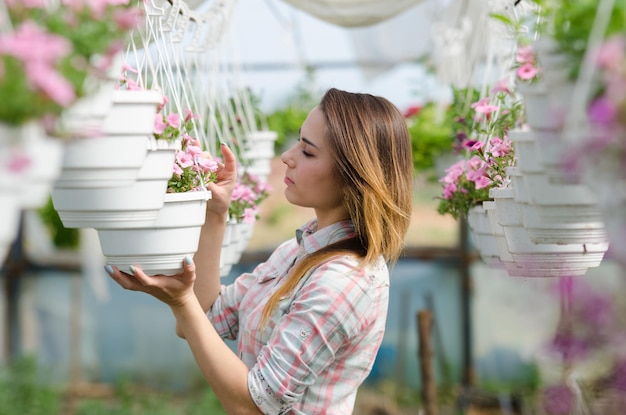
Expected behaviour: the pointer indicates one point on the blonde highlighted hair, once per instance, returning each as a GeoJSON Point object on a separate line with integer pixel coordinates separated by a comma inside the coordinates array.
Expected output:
{"type": "Point", "coordinates": [373, 166]}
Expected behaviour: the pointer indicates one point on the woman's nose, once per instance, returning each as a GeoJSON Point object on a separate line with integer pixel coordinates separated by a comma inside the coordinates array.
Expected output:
{"type": "Point", "coordinates": [286, 158]}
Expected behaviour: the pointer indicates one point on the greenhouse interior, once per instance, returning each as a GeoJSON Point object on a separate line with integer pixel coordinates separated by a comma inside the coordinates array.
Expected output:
{"type": "Point", "coordinates": [494, 303]}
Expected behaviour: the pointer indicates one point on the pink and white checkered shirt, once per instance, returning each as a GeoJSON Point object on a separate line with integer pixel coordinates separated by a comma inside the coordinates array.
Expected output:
{"type": "Point", "coordinates": [321, 341]}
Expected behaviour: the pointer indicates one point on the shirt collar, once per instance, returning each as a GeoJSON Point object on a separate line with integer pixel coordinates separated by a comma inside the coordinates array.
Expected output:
{"type": "Point", "coordinates": [311, 239]}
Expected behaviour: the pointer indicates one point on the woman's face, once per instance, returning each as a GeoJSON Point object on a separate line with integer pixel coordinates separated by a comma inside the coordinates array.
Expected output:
{"type": "Point", "coordinates": [309, 178]}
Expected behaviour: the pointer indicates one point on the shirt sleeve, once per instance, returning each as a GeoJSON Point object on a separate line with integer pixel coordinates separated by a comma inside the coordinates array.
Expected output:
{"type": "Point", "coordinates": [323, 313]}
{"type": "Point", "coordinates": [224, 314]}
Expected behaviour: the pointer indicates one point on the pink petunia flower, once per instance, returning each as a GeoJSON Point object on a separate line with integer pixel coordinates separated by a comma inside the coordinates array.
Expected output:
{"type": "Point", "coordinates": [173, 120]}
{"type": "Point", "coordinates": [527, 72]}
{"type": "Point", "coordinates": [159, 125]}
{"type": "Point", "coordinates": [525, 54]}
{"type": "Point", "coordinates": [483, 107]}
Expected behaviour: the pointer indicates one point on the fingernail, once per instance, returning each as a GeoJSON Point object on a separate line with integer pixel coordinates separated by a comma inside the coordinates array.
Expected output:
{"type": "Point", "coordinates": [108, 269]}
{"type": "Point", "coordinates": [131, 269]}
{"type": "Point", "coordinates": [223, 143]}
{"type": "Point", "coordinates": [188, 260]}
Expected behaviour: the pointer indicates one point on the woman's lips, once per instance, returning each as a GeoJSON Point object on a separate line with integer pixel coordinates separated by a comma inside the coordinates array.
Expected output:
{"type": "Point", "coordinates": [288, 181]}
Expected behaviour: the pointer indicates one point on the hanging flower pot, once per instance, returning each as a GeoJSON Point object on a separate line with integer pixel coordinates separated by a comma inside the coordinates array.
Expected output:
{"type": "Point", "coordinates": [10, 208]}
{"type": "Point", "coordinates": [259, 152]}
{"type": "Point", "coordinates": [556, 214]}
{"type": "Point", "coordinates": [161, 247]}
{"type": "Point", "coordinates": [106, 161]}
{"type": "Point", "coordinates": [136, 205]}
{"type": "Point", "coordinates": [551, 259]}
{"type": "Point", "coordinates": [229, 248]}
{"type": "Point", "coordinates": [41, 158]}
{"type": "Point", "coordinates": [132, 112]}
{"type": "Point", "coordinates": [483, 235]}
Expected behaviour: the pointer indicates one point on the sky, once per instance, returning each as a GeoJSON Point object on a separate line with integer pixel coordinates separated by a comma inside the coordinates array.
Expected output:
{"type": "Point", "coordinates": [273, 42]}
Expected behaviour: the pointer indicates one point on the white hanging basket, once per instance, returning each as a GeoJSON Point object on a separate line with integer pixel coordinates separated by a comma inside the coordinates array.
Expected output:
{"type": "Point", "coordinates": [106, 161]}
{"type": "Point", "coordinates": [550, 259]}
{"type": "Point", "coordinates": [132, 113]}
{"type": "Point", "coordinates": [160, 248]}
{"type": "Point", "coordinates": [43, 160]}
{"type": "Point", "coordinates": [483, 235]}
{"type": "Point", "coordinates": [10, 208]}
{"type": "Point", "coordinates": [259, 153]}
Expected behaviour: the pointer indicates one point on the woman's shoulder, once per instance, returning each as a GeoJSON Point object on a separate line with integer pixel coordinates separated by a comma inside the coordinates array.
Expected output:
{"type": "Point", "coordinates": [348, 269]}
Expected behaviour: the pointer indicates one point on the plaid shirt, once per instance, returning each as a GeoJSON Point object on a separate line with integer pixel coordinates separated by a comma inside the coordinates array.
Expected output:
{"type": "Point", "coordinates": [321, 341]}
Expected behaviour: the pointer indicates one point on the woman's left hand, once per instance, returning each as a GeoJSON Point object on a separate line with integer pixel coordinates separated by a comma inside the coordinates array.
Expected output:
{"type": "Point", "coordinates": [173, 290]}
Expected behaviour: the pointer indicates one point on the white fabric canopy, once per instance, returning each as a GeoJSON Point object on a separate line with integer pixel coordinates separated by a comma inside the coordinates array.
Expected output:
{"type": "Point", "coordinates": [353, 13]}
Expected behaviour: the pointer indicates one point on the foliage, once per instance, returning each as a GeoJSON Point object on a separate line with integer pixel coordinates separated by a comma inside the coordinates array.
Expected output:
{"type": "Point", "coordinates": [62, 237]}
{"type": "Point", "coordinates": [21, 393]}
{"type": "Point", "coordinates": [248, 193]}
{"type": "Point", "coordinates": [571, 27]}
{"type": "Point", "coordinates": [53, 51]}
{"type": "Point", "coordinates": [436, 130]}
{"type": "Point", "coordinates": [431, 134]}
{"type": "Point", "coordinates": [487, 150]}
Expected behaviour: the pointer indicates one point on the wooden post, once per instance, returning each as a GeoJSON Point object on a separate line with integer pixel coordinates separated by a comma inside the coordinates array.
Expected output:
{"type": "Point", "coordinates": [425, 350]}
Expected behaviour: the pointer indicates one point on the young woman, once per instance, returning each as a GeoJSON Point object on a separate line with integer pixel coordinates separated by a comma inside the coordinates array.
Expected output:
{"type": "Point", "coordinates": [309, 320]}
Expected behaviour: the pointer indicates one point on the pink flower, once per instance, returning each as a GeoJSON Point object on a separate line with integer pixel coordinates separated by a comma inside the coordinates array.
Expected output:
{"type": "Point", "coordinates": [249, 215]}
{"type": "Point", "coordinates": [482, 182]}
{"type": "Point", "coordinates": [501, 86]}
{"type": "Point", "coordinates": [527, 72]}
{"type": "Point", "coordinates": [207, 164]}
{"type": "Point", "coordinates": [483, 106]}
{"type": "Point", "coordinates": [525, 54]}
{"type": "Point", "coordinates": [412, 110]}
{"type": "Point", "coordinates": [448, 190]}
{"type": "Point", "coordinates": [173, 120]}
{"type": "Point", "coordinates": [610, 54]}
{"type": "Point", "coordinates": [177, 170]}
{"type": "Point", "coordinates": [499, 147]}
{"type": "Point", "coordinates": [162, 104]}
{"type": "Point", "coordinates": [51, 83]}
{"type": "Point", "coordinates": [159, 125]}
{"type": "Point", "coordinates": [189, 115]}
{"type": "Point", "coordinates": [602, 111]}
{"type": "Point", "coordinates": [32, 44]}
{"type": "Point", "coordinates": [18, 163]}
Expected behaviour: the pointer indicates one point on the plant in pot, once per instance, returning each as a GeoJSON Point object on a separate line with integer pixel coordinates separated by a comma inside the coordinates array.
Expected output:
{"type": "Point", "coordinates": [243, 212]}
{"type": "Point", "coordinates": [487, 152]}
{"type": "Point", "coordinates": [160, 247]}
{"type": "Point", "coordinates": [437, 131]}
{"type": "Point", "coordinates": [51, 55]}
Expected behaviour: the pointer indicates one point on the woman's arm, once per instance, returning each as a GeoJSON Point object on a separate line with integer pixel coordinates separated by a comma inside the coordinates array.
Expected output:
{"type": "Point", "coordinates": [207, 257]}
{"type": "Point", "coordinates": [224, 371]}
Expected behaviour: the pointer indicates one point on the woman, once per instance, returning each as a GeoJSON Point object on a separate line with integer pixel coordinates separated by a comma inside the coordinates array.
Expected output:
{"type": "Point", "coordinates": [310, 319]}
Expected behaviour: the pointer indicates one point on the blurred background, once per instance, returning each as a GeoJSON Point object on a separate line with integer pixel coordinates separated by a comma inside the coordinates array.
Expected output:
{"type": "Point", "coordinates": [73, 342]}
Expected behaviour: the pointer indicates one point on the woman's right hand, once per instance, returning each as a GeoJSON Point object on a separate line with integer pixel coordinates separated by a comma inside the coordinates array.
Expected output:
{"type": "Point", "coordinates": [222, 189]}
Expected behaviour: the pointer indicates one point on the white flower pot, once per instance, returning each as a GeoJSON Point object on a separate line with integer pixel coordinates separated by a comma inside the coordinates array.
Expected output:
{"type": "Point", "coordinates": [161, 247]}
{"type": "Point", "coordinates": [132, 113]}
{"type": "Point", "coordinates": [131, 206]}
{"type": "Point", "coordinates": [259, 153]}
{"type": "Point", "coordinates": [43, 156]}
{"type": "Point", "coordinates": [551, 259]}
{"type": "Point", "coordinates": [106, 161]}
{"type": "Point", "coordinates": [526, 150]}
{"type": "Point", "coordinates": [10, 208]}
{"type": "Point", "coordinates": [230, 245]}
{"type": "Point", "coordinates": [483, 235]}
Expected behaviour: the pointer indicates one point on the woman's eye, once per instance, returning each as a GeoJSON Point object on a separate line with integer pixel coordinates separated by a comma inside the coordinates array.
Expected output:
{"type": "Point", "coordinates": [307, 154]}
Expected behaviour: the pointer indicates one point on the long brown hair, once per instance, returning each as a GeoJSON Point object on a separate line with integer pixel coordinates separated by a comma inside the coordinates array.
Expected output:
{"type": "Point", "coordinates": [373, 166]}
